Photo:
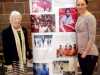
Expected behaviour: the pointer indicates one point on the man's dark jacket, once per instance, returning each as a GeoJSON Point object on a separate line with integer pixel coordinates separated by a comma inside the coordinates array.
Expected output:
{"type": "Point", "coordinates": [9, 46]}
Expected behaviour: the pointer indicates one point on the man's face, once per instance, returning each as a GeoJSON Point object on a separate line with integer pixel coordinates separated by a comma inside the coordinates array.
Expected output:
{"type": "Point", "coordinates": [67, 12]}
{"type": "Point", "coordinates": [15, 21]}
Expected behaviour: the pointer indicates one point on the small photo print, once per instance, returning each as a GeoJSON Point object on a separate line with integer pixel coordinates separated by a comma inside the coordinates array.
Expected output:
{"type": "Point", "coordinates": [62, 68]}
{"type": "Point", "coordinates": [67, 19]}
{"type": "Point", "coordinates": [41, 6]}
{"type": "Point", "coordinates": [40, 69]}
{"type": "Point", "coordinates": [42, 41]}
{"type": "Point", "coordinates": [43, 23]}
{"type": "Point", "coordinates": [66, 50]}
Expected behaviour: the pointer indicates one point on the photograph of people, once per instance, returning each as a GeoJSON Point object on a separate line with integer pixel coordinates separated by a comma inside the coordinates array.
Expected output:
{"type": "Point", "coordinates": [62, 68]}
{"type": "Point", "coordinates": [42, 23]}
{"type": "Point", "coordinates": [67, 19]}
{"type": "Point", "coordinates": [85, 35]}
{"type": "Point", "coordinates": [40, 69]}
{"type": "Point", "coordinates": [15, 45]}
{"type": "Point", "coordinates": [66, 50]}
{"type": "Point", "coordinates": [42, 41]}
{"type": "Point", "coordinates": [41, 6]}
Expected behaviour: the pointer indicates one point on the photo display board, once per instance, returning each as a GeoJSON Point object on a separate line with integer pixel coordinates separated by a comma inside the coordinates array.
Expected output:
{"type": "Point", "coordinates": [53, 36]}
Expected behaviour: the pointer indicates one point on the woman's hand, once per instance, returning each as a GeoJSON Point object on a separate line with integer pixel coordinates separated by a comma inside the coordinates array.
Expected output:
{"type": "Point", "coordinates": [84, 54]}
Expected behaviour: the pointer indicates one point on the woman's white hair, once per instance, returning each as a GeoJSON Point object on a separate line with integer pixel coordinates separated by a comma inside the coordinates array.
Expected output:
{"type": "Point", "coordinates": [13, 13]}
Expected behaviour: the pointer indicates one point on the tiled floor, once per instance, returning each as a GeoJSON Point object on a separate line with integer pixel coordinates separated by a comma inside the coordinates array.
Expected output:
{"type": "Point", "coordinates": [97, 70]}
{"type": "Point", "coordinates": [29, 72]}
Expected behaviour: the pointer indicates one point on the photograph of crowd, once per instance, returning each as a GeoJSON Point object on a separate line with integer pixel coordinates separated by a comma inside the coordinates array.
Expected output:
{"type": "Point", "coordinates": [67, 19]}
{"type": "Point", "coordinates": [41, 6]}
{"type": "Point", "coordinates": [43, 23]}
{"type": "Point", "coordinates": [40, 69]}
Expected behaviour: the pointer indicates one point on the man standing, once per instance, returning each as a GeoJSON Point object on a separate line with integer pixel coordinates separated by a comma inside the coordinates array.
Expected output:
{"type": "Point", "coordinates": [15, 45]}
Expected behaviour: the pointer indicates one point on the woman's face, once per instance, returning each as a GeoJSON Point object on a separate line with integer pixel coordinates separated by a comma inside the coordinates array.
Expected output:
{"type": "Point", "coordinates": [81, 6]}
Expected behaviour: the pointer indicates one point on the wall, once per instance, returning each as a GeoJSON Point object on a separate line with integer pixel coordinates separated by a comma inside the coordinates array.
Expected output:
{"type": "Point", "coordinates": [6, 6]}
{"type": "Point", "coordinates": [94, 7]}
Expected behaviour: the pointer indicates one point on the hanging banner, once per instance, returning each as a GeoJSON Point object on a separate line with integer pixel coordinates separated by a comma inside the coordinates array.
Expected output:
{"type": "Point", "coordinates": [53, 36]}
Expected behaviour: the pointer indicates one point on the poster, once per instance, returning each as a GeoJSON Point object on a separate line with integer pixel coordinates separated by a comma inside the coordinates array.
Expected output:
{"type": "Point", "coordinates": [54, 48]}
{"type": "Point", "coordinates": [43, 23]}
{"type": "Point", "coordinates": [40, 6]}
{"type": "Point", "coordinates": [67, 19]}
{"type": "Point", "coordinates": [53, 36]}
{"type": "Point", "coordinates": [40, 69]}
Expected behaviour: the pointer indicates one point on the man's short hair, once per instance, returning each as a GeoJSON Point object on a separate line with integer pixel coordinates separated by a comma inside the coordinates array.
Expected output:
{"type": "Point", "coordinates": [15, 13]}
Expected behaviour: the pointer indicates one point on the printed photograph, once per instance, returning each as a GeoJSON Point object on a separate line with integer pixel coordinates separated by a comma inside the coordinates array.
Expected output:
{"type": "Point", "coordinates": [41, 6]}
{"type": "Point", "coordinates": [40, 69]}
{"type": "Point", "coordinates": [67, 19]}
{"type": "Point", "coordinates": [42, 47]}
{"type": "Point", "coordinates": [43, 23]}
{"type": "Point", "coordinates": [41, 41]}
{"type": "Point", "coordinates": [64, 44]}
{"type": "Point", "coordinates": [66, 50]}
{"type": "Point", "coordinates": [63, 68]}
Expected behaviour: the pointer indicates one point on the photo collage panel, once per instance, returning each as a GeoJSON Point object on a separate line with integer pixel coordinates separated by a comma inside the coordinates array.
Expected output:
{"type": "Point", "coordinates": [53, 36]}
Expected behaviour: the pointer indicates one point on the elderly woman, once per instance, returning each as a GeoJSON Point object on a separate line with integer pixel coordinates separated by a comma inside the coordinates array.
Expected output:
{"type": "Point", "coordinates": [15, 45]}
{"type": "Point", "coordinates": [86, 32]}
